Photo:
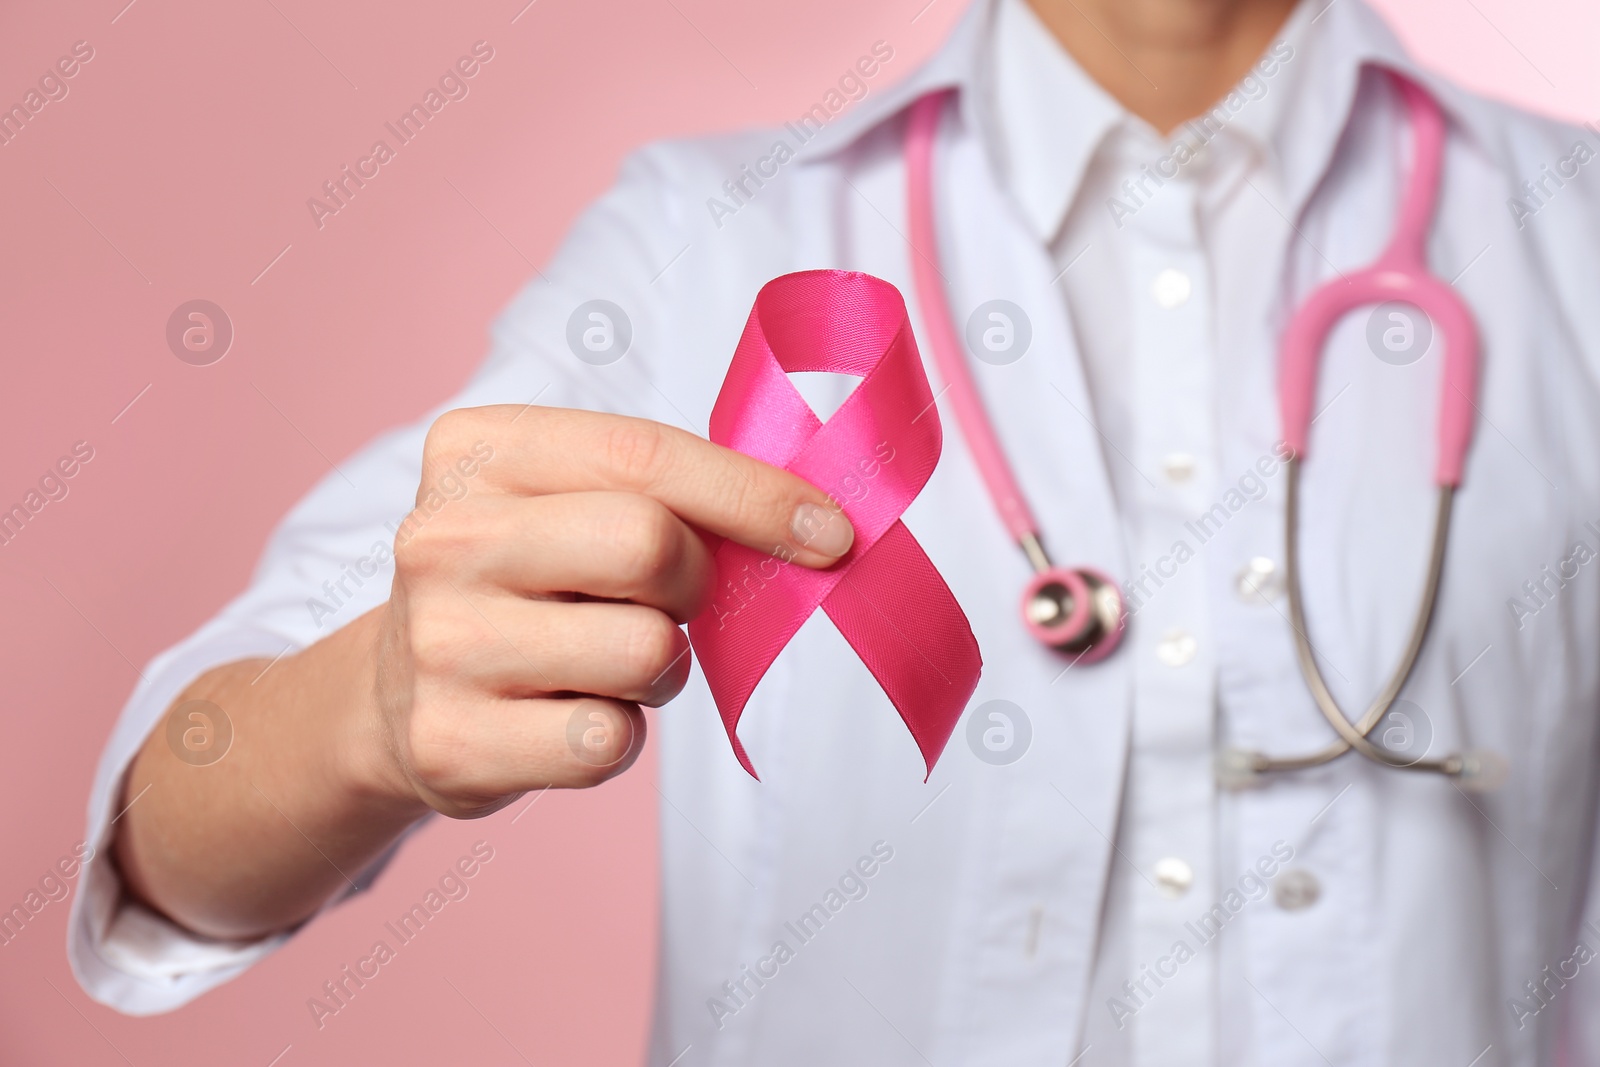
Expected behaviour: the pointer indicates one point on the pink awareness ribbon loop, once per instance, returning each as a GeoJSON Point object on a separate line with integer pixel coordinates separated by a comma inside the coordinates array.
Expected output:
{"type": "Point", "coordinates": [874, 456]}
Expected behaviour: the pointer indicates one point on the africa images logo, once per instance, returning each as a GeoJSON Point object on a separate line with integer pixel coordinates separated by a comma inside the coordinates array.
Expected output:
{"type": "Point", "coordinates": [453, 85]}
{"type": "Point", "coordinates": [852, 86]}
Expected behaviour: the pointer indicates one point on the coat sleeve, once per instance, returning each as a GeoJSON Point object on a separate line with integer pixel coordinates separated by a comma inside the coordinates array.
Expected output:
{"type": "Point", "coordinates": [329, 560]}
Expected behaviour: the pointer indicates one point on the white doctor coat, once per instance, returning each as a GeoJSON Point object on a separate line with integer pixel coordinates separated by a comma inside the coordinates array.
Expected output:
{"type": "Point", "coordinates": [1347, 915]}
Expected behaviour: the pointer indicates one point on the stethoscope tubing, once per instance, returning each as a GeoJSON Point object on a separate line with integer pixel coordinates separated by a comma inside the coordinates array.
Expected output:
{"type": "Point", "coordinates": [939, 326]}
{"type": "Point", "coordinates": [1400, 273]}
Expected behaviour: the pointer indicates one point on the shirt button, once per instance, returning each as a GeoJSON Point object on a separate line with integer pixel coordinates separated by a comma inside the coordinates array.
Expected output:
{"type": "Point", "coordinates": [1171, 288]}
{"type": "Point", "coordinates": [1176, 648]}
{"type": "Point", "coordinates": [1259, 580]}
{"type": "Point", "coordinates": [1178, 466]}
{"type": "Point", "coordinates": [1295, 889]}
{"type": "Point", "coordinates": [1173, 876]}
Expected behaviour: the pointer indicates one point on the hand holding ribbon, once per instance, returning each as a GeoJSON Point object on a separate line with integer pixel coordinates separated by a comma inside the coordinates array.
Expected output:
{"type": "Point", "coordinates": [884, 595]}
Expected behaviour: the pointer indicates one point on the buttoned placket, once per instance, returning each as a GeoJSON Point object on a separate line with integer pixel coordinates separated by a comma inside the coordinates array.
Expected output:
{"type": "Point", "coordinates": [1169, 820]}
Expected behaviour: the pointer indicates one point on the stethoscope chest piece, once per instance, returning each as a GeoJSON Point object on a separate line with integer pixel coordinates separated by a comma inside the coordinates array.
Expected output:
{"type": "Point", "coordinates": [1076, 611]}
{"type": "Point", "coordinates": [1079, 612]}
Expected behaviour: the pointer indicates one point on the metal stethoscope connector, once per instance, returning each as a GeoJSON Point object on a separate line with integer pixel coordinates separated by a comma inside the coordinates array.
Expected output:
{"type": "Point", "coordinates": [1475, 770]}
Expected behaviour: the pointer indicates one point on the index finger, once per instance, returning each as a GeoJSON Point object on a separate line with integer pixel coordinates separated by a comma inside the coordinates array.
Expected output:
{"type": "Point", "coordinates": [561, 450]}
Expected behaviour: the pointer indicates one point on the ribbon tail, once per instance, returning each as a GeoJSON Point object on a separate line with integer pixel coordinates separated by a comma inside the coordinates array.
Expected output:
{"type": "Point", "coordinates": [760, 604]}
{"type": "Point", "coordinates": [902, 620]}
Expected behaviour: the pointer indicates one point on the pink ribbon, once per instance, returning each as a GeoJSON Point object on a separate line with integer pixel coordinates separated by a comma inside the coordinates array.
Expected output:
{"type": "Point", "coordinates": [874, 456]}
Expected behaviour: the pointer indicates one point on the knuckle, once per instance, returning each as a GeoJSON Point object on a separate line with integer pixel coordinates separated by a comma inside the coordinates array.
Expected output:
{"type": "Point", "coordinates": [430, 543]}
{"type": "Point", "coordinates": [643, 541]}
{"type": "Point", "coordinates": [446, 431]}
{"type": "Point", "coordinates": [756, 505]}
{"type": "Point", "coordinates": [456, 443]}
{"type": "Point", "coordinates": [414, 555]}
{"type": "Point", "coordinates": [668, 684]}
{"type": "Point", "coordinates": [649, 644]}
{"type": "Point", "coordinates": [635, 450]}
{"type": "Point", "coordinates": [600, 735]}
{"type": "Point", "coordinates": [438, 750]}
{"type": "Point", "coordinates": [438, 641]}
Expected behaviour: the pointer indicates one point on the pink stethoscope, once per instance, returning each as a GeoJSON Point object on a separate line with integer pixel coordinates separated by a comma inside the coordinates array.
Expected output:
{"type": "Point", "coordinates": [1079, 611]}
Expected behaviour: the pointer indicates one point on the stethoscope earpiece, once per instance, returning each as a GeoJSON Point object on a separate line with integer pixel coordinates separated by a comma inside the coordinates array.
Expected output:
{"type": "Point", "coordinates": [1241, 768]}
{"type": "Point", "coordinates": [1479, 770]}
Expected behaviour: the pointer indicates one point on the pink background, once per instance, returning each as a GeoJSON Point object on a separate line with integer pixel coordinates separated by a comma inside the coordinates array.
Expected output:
{"type": "Point", "coordinates": [178, 167]}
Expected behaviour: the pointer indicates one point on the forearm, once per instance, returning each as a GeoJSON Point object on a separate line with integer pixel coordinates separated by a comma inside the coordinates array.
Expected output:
{"type": "Point", "coordinates": [303, 799]}
{"type": "Point", "coordinates": [550, 599]}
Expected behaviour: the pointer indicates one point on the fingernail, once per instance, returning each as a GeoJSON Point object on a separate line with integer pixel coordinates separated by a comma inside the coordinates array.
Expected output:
{"type": "Point", "coordinates": [823, 530]}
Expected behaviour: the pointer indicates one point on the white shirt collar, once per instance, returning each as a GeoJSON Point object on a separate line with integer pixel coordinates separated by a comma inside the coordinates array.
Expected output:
{"type": "Point", "coordinates": [1335, 41]}
{"type": "Point", "coordinates": [1048, 115]}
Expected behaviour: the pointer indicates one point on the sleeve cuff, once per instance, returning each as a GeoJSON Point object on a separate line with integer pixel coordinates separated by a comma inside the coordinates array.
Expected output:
{"type": "Point", "coordinates": [123, 954]}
